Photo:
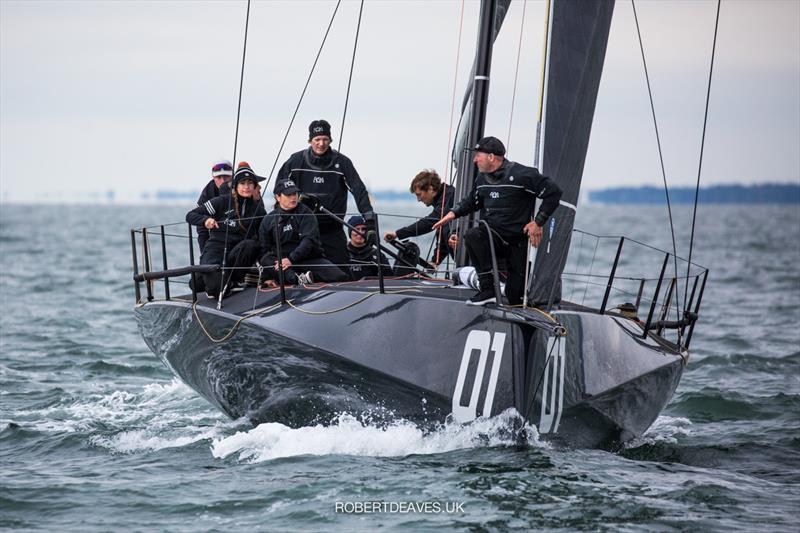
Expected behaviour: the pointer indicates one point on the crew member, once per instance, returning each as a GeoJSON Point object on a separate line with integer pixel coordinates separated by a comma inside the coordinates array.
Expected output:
{"type": "Point", "coordinates": [301, 255]}
{"type": "Point", "coordinates": [427, 186]}
{"type": "Point", "coordinates": [363, 256]}
{"type": "Point", "coordinates": [221, 174]}
{"type": "Point", "coordinates": [233, 220]}
{"type": "Point", "coordinates": [321, 171]}
{"type": "Point", "coordinates": [505, 194]}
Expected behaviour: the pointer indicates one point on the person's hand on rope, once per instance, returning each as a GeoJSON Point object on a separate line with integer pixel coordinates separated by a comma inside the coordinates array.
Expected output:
{"type": "Point", "coordinates": [444, 220]}
{"type": "Point", "coordinates": [284, 264]}
{"type": "Point", "coordinates": [534, 233]}
{"type": "Point", "coordinates": [210, 223]}
{"type": "Point", "coordinates": [389, 236]}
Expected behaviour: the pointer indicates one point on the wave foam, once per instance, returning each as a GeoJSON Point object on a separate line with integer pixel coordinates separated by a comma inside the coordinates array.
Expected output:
{"type": "Point", "coordinates": [349, 436]}
{"type": "Point", "coordinates": [666, 429]}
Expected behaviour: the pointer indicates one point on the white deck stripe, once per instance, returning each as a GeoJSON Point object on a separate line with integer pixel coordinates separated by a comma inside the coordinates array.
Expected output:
{"type": "Point", "coordinates": [567, 204]}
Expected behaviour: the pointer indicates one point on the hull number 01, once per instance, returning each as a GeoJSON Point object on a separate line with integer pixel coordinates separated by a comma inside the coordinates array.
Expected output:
{"type": "Point", "coordinates": [483, 342]}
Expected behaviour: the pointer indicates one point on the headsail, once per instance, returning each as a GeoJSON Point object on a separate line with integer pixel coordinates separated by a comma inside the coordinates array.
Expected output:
{"type": "Point", "coordinates": [578, 40]}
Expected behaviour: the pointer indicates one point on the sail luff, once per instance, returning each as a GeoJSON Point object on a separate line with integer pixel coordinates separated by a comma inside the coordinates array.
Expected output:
{"type": "Point", "coordinates": [578, 38]}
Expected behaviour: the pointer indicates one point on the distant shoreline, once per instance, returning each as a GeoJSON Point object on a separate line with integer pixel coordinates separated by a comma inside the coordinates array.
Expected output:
{"type": "Point", "coordinates": [768, 193]}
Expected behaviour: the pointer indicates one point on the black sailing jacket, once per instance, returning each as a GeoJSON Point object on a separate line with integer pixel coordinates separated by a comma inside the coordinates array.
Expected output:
{"type": "Point", "coordinates": [209, 191]}
{"type": "Point", "coordinates": [507, 196]}
{"type": "Point", "coordinates": [362, 262]}
{"type": "Point", "coordinates": [298, 230]}
{"type": "Point", "coordinates": [425, 224]}
{"type": "Point", "coordinates": [328, 177]}
{"type": "Point", "coordinates": [222, 210]}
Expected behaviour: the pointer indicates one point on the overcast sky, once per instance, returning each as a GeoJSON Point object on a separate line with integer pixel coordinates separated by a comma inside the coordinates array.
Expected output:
{"type": "Point", "coordinates": [139, 96]}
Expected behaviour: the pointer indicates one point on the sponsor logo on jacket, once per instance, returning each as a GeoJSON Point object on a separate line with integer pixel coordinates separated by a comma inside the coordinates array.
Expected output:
{"type": "Point", "coordinates": [319, 179]}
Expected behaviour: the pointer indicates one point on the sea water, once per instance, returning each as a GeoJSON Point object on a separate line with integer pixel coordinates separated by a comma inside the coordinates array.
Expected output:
{"type": "Point", "coordinates": [97, 435]}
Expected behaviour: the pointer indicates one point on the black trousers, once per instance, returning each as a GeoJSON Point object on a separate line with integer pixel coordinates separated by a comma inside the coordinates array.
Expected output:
{"type": "Point", "coordinates": [321, 268]}
{"type": "Point", "coordinates": [334, 242]}
{"type": "Point", "coordinates": [514, 252]}
{"type": "Point", "coordinates": [240, 257]}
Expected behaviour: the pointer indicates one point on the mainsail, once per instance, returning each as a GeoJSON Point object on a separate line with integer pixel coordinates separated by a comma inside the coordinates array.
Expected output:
{"type": "Point", "coordinates": [578, 38]}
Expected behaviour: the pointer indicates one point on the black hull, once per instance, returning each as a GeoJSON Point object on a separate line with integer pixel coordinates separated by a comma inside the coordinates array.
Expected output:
{"type": "Point", "coordinates": [415, 355]}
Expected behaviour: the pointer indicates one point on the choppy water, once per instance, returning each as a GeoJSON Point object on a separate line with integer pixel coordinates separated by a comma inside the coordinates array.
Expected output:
{"type": "Point", "coordinates": [95, 434]}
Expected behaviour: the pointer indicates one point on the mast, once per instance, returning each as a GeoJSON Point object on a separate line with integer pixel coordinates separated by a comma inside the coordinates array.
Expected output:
{"type": "Point", "coordinates": [491, 18]}
{"type": "Point", "coordinates": [578, 39]}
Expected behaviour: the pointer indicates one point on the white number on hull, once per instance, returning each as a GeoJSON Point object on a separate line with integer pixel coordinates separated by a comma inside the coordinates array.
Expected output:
{"type": "Point", "coordinates": [483, 342]}
{"type": "Point", "coordinates": [553, 387]}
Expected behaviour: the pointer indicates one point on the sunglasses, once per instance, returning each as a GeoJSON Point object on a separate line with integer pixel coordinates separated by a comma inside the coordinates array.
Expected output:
{"type": "Point", "coordinates": [220, 166]}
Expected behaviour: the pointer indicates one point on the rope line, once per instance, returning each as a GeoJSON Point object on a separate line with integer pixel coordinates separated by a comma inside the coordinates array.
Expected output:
{"type": "Point", "coordinates": [235, 325]}
{"type": "Point", "coordinates": [350, 78]}
{"type": "Point", "coordinates": [700, 164]}
{"type": "Point", "coordinates": [235, 146]}
{"type": "Point", "coordinates": [448, 166]}
{"type": "Point", "coordinates": [516, 75]}
{"type": "Point", "coordinates": [300, 101]}
{"type": "Point", "coordinates": [660, 154]}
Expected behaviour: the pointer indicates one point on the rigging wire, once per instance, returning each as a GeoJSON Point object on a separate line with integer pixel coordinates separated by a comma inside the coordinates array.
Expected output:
{"type": "Point", "coordinates": [660, 154]}
{"type": "Point", "coordinates": [448, 165]}
{"type": "Point", "coordinates": [448, 155]}
{"type": "Point", "coordinates": [700, 164]}
{"type": "Point", "coordinates": [350, 78]}
{"type": "Point", "coordinates": [537, 147]}
{"type": "Point", "coordinates": [516, 76]}
{"type": "Point", "coordinates": [235, 146]}
{"type": "Point", "coordinates": [300, 101]}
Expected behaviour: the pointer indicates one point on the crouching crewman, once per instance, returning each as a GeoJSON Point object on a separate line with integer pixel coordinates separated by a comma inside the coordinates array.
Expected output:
{"type": "Point", "coordinates": [302, 259]}
{"type": "Point", "coordinates": [363, 255]}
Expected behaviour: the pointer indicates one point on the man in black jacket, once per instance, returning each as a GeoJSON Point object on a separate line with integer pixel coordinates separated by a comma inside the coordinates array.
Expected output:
{"type": "Point", "coordinates": [505, 193]}
{"type": "Point", "coordinates": [301, 257]}
{"type": "Point", "coordinates": [221, 174]}
{"type": "Point", "coordinates": [429, 189]}
{"type": "Point", "coordinates": [321, 171]}
{"type": "Point", "coordinates": [363, 255]}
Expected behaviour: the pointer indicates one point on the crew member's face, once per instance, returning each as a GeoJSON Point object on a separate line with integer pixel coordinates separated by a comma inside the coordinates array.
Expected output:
{"type": "Point", "coordinates": [485, 162]}
{"type": "Point", "coordinates": [245, 188]}
{"type": "Point", "coordinates": [425, 196]}
{"type": "Point", "coordinates": [287, 201]}
{"type": "Point", "coordinates": [219, 180]}
{"type": "Point", "coordinates": [357, 240]}
{"type": "Point", "coordinates": [320, 144]}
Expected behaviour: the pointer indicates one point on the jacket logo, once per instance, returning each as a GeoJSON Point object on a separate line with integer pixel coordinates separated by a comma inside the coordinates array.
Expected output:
{"type": "Point", "coordinates": [494, 194]}
{"type": "Point", "coordinates": [319, 179]}
{"type": "Point", "coordinates": [287, 227]}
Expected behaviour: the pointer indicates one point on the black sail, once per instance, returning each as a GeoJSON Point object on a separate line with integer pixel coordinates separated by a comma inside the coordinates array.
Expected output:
{"type": "Point", "coordinates": [578, 41]}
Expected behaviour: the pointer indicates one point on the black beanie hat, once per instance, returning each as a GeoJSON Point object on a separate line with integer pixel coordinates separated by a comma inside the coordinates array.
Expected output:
{"type": "Point", "coordinates": [490, 145]}
{"type": "Point", "coordinates": [319, 127]}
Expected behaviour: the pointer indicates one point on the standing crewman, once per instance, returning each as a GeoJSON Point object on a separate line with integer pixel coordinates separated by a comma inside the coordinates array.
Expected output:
{"type": "Point", "coordinates": [427, 186]}
{"type": "Point", "coordinates": [321, 171]}
{"type": "Point", "coordinates": [505, 193]}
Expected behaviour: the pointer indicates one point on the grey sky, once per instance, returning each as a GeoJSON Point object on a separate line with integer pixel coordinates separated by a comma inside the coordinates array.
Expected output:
{"type": "Point", "coordinates": [138, 96]}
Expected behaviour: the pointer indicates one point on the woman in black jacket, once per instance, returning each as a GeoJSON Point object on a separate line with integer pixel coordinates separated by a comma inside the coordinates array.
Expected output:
{"type": "Point", "coordinates": [301, 255]}
{"type": "Point", "coordinates": [233, 221]}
